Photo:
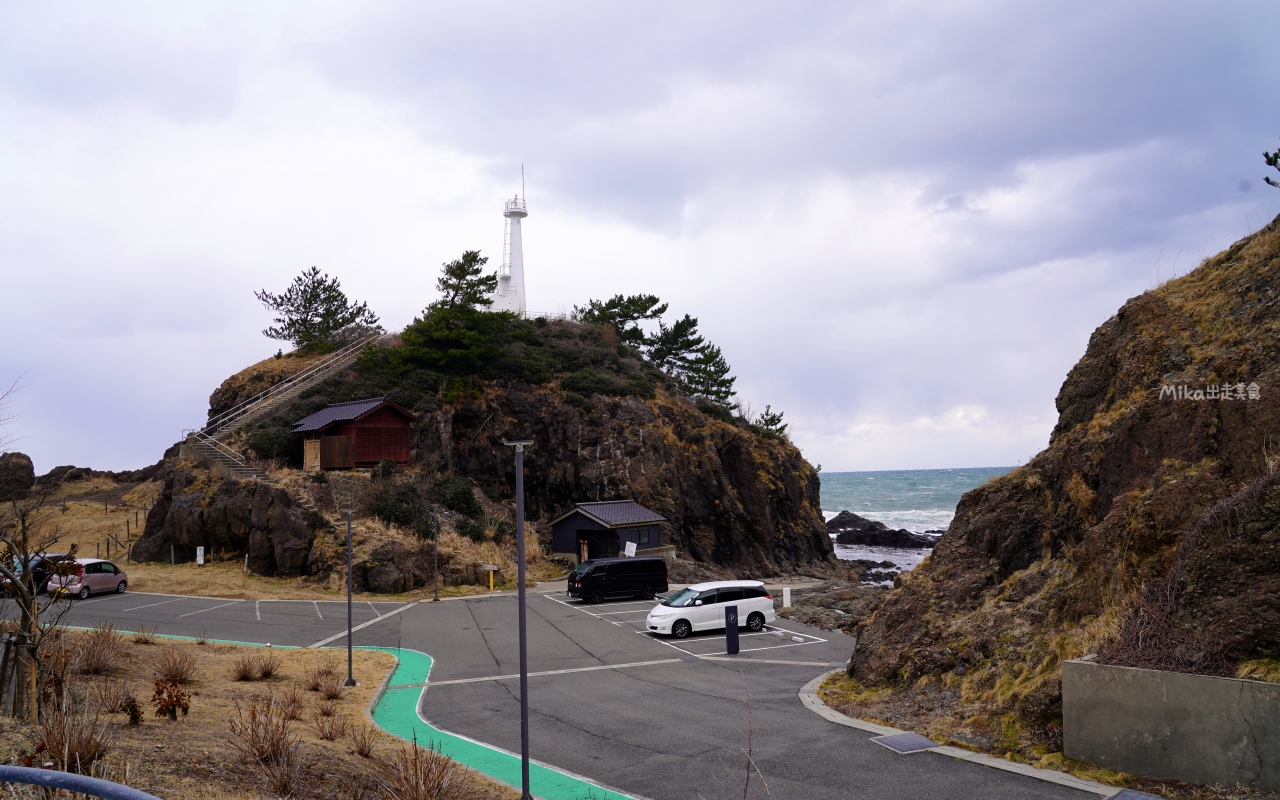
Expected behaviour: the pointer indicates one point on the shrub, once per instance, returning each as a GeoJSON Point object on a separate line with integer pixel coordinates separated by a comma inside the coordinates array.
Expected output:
{"type": "Point", "coordinates": [578, 401]}
{"type": "Point", "coordinates": [455, 493]}
{"type": "Point", "coordinates": [327, 708]}
{"type": "Point", "coordinates": [110, 696]}
{"type": "Point", "coordinates": [266, 665]}
{"type": "Point", "coordinates": [291, 702]}
{"type": "Point", "coordinates": [397, 504]}
{"type": "Point", "coordinates": [330, 728]}
{"type": "Point", "coordinates": [263, 734]}
{"type": "Point", "coordinates": [276, 442]}
{"type": "Point", "coordinates": [317, 676]}
{"type": "Point", "coordinates": [100, 650]}
{"type": "Point", "coordinates": [386, 468]}
{"type": "Point", "coordinates": [202, 638]}
{"type": "Point", "coordinates": [243, 668]}
{"type": "Point", "coordinates": [175, 666]}
{"type": "Point", "coordinates": [146, 634]}
{"type": "Point", "coordinates": [591, 381]}
{"type": "Point", "coordinates": [415, 773]}
{"type": "Point", "coordinates": [75, 741]}
{"type": "Point", "coordinates": [332, 688]}
{"type": "Point", "coordinates": [168, 698]}
{"type": "Point", "coordinates": [364, 738]}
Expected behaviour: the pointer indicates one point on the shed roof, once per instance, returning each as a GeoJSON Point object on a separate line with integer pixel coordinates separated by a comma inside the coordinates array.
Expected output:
{"type": "Point", "coordinates": [614, 513]}
{"type": "Point", "coordinates": [345, 412]}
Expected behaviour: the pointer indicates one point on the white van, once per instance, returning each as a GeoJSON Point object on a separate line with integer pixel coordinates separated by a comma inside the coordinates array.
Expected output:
{"type": "Point", "coordinates": [701, 608]}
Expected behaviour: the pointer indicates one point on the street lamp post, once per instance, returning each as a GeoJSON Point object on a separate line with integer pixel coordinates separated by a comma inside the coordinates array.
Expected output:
{"type": "Point", "coordinates": [351, 679]}
{"type": "Point", "coordinates": [524, 649]}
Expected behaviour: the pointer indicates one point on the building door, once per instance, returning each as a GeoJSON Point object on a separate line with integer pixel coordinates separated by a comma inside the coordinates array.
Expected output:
{"type": "Point", "coordinates": [599, 544]}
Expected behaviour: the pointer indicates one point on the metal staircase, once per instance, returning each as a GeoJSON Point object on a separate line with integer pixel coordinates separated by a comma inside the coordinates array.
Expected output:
{"type": "Point", "coordinates": [209, 443]}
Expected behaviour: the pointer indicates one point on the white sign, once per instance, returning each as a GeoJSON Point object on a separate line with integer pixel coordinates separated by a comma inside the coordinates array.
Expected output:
{"type": "Point", "coordinates": [631, 549]}
{"type": "Point", "coordinates": [200, 555]}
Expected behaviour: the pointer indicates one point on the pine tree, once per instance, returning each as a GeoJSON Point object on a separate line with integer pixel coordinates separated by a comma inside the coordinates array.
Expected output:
{"type": "Point", "coordinates": [673, 349]}
{"type": "Point", "coordinates": [462, 284]}
{"type": "Point", "coordinates": [1273, 161]}
{"type": "Point", "coordinates": [707, 375]}
{"type": "Point", "coordinates": [771, 421]}
{"type": "Point", "coordinates": [624, 313]}
{"type": "Point", "coordinates": [314, 311]}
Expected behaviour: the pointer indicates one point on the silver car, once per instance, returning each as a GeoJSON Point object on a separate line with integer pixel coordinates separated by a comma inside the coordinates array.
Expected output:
{"type": "Point", "coordinates": [90, 576]}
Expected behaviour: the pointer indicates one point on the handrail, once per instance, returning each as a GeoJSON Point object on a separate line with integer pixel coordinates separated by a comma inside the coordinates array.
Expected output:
{"type": "Point", "coordinates": [205, 438]}
{"type": "Point", "coordinates": [94, 787]}
{"type": "Point", "coordinates": [243, 407]}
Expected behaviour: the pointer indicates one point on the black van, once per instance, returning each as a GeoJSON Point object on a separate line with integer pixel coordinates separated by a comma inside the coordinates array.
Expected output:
{"type": "Point", "coordinates": [638, 576]}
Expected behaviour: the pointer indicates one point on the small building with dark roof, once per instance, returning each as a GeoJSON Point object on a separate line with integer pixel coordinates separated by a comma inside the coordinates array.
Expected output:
{"type": "Point", "coordinates": [602, 530]}
{"type": "Point", "coordinates": [356, 434]}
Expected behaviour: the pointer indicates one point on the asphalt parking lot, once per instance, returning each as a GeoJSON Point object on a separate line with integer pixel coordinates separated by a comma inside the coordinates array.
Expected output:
{"type": "Point", "coordinates": [646, 715]}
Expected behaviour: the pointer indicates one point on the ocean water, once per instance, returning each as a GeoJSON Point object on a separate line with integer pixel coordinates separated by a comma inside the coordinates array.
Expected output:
{"type": "Point", "coordinates": [919, 500]}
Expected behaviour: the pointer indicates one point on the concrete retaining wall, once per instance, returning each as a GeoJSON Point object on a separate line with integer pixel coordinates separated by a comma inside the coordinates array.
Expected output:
{"type": "Point", "coordinates": [1171, 725]}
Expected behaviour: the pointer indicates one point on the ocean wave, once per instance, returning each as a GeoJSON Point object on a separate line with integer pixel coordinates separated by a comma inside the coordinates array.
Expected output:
{"type": "Point", "coordinates": [915, 520]}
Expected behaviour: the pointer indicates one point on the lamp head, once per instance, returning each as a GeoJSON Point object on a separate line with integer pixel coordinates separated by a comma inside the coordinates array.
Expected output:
{"type": "Point", "coordinates": [519, 446]}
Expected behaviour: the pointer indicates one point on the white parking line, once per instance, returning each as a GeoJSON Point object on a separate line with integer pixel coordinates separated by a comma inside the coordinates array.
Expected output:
{"type": "Point", "coordinates": [149, 605]}
{"type": "Point", "coordinates": [317, 605]}
{"type": "Point", "coordinates": [376, 611]}
{"type": "Point", "coordinates": [201, 611]}
{"type": "Point", "coordinates": [257, 609]}
{"type": "Point", "coordinates": [362, 626]}
{"type": "Point", "coordinates": [549, 672]}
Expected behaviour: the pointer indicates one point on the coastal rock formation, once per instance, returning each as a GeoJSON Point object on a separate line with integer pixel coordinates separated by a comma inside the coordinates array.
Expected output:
{"type": "Point", "coordinates": [1148, 531]}
{"type": "Point", "coordinates": [853, 529]}
{"type": "Point", "coordinates": [730, 497]}
{"type": "Point", "coordinates": [235, 516]}
{"type": "Point", "coordinates": [17, 476]}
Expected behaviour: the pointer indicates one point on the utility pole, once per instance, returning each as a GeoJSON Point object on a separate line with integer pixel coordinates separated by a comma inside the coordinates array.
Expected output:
{"type": "Point", "coordinates": [524, 647]}
{"type": "Point", "coordinates": [351, 680]}
{"type": "Point", "coordinates": [435, 546]}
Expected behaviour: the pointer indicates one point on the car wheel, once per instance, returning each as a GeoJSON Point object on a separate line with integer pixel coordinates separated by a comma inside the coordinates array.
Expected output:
{"type": "Point", "coordinates": [596, 597]}
{"type": "Point", "coordinates": [84, 593]}
{"type": "Point", "coordinates": [647, 593]}
{"type": "Point", "coordinates": [120, 587]}
{"type": "Point", "coordinates": [755, 622]}
{"type": "Point", "coordinates": [681, 629]}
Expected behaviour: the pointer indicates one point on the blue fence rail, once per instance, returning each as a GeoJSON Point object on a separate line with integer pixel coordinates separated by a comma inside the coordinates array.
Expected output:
{"type": "Point", "coordinates": [94, 787]}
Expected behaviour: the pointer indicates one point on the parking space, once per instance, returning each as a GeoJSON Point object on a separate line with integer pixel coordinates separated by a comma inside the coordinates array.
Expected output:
{"type": "Point", "coordinates": [285, 622]}
{"type": "Point", "coordinates": [631, 614]}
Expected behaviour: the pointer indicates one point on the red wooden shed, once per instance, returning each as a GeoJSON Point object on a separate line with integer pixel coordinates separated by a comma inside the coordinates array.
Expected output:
{"type": "Point", "coordinates": [356, 434]}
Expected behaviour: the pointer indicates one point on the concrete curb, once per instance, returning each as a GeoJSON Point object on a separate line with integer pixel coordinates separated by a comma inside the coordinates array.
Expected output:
{"type": "Point", "coordinates": [809, 697]}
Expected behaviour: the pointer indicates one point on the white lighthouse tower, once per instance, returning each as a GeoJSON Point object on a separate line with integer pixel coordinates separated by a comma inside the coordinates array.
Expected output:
{"type": "Point", "coordinates": [510, 293]}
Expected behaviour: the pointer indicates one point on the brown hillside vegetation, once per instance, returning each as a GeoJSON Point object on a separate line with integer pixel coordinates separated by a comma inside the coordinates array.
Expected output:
{"type": "Point", "coordinates": [1148, 531]}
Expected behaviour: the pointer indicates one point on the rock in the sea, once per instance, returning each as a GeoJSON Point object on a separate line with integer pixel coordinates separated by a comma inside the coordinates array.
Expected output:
{"type": "Point", "coordinates": [853, 529]}
{"type": "Point", "coordinates": [17, 476]}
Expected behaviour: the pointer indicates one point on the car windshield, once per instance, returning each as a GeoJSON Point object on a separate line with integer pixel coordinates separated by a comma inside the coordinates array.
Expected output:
{"type": "Point", "coordinates": [681, 598]}
{"type": "Point", "coordinates": [585, 566]}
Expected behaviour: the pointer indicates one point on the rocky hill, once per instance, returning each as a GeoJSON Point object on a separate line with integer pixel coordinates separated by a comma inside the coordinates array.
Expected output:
{"type": "Point", "coordinates": [1148, 531]}
{"type": "Point", "coordinates": [606, 425]}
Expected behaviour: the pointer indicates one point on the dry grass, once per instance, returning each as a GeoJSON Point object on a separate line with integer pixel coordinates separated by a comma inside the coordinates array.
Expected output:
{"type": "Point", "coordinates": [244, 668]}
{"type": "Point", "coordinates": [416, 773]}
{"type": "Point", "coordinates": [332, 687]}
{"type": "Point", "coordinates": [176, 664]}
{"type": "Point", "coordinates": [321, 673]}
{"type": "Point", "coordinates": [100, 651]}
{"type": "Point", "coordinates": [75, 739]}
{"type": "Point", "coordinates": [330, 728]}
{"type": "Point", "coordinates": [146, 634]}
{"type": "Point", "coordinates": [110, 696]}
{"type": "Point", "coordinates": [327, 708]}
{"type": "Point", "coordinates": [266, 665]}
{"type": "Point", "coordinates": [364, 739]}
{"type": "Point", "coordinates": [1261, 669]}
{"type": "Point", "coordinates": [263, 734]}
{"type": "Point", "coordinates": [291, 700]}
{"type": "Point", "coordinates": [191, 758]}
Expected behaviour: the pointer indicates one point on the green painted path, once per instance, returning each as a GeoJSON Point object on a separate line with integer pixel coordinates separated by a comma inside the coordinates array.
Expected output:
{"type": "Point", "coordinates": [396, 712]}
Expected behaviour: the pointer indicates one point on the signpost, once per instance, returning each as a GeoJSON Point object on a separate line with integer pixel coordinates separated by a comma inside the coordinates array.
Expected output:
{"type": "Point", "coordinates": [731, 629]}
{"type": "Point", "coordinates": [199, 555]}
{"type": "Point", "coordinates": [524, 647]}
{"type": "Point", "coordinates": [489, 568]}
{"type": "Point", "coordinates": [630, 550]}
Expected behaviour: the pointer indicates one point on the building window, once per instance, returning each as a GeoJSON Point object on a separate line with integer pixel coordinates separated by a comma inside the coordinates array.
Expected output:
{"type": "Point", "coordinates": [642, 536]}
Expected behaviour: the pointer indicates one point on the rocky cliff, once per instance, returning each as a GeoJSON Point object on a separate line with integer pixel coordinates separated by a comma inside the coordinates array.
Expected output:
{"type": "Point", "coordinates": [1148, 530]}
{"type": "Point", "coordinates": [605, 426]}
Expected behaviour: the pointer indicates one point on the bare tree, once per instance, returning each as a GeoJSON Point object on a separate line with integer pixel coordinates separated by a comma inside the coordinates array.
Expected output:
{"type": "Point", "coordinates": [6, 416]}
{"type": "Point", "coordinates": [26, 535]}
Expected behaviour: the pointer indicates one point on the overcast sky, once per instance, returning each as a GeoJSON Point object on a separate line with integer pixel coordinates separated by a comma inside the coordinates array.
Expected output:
{"type": "Point", "coordinates": [901, 221]}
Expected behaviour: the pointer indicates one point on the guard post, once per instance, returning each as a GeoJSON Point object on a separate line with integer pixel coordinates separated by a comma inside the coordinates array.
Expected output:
{"type": "Point", "coordinates": [731, 629]}
{"type": "Point", "coordinates": [489, 568]}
